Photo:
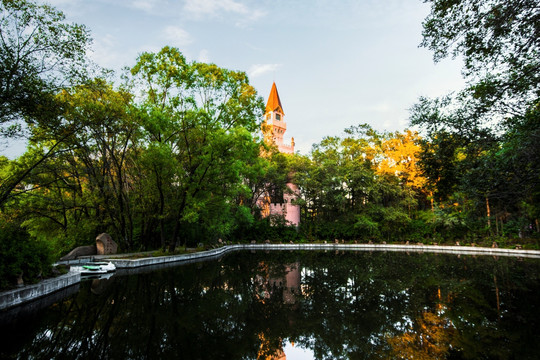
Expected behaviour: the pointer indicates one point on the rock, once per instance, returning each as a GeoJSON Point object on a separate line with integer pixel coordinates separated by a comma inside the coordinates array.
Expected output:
{"type": "Point", "coordinates": [105, 245]}
{"type": "Point", "coordinates": [518, 247]}
{"type": "Point", "coordinates": [80, 251]}
{"type": "Point", "coordinates": [407, 243]}
{"type": "Point", "coordinates": [342, 241]}
{"type": "Point", "coordinates": [457, 243]}
{"type": "Point", "coordinates": [20, 281]}
{"type": "Point", "coordinates": [267, 241]}
{"type": "Point", "coordinates": [494, 245]}
{"type": "Point", "coordinates": [473, 244]}
{"type": "Point", "coordinates": [370, 242]}
{"type": "Point", "coordinates": [336, 241]}
{"type": "Point", "coordinates": [253, 242]}
{"type": "Point", "coordinates": [384, 242]}
{"type": "Point", "coordinates": [356, 241]}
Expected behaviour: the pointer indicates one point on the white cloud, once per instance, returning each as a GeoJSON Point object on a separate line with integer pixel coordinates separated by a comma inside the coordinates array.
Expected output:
{"type": "Point", "coordinates": [104, 52]}
{"type": "Point", "coordinates": [212, 8]}
{"type": "Point", "coordinates": [177, 35]}
{"type": "Point", "coordinates": [380, 107]}
{"type": "Point", "coordinates": [145, 5]}
{"type": "Point", "coordinates": [261, 69]}
{"type": "Point", "coordinates": [203, 56]}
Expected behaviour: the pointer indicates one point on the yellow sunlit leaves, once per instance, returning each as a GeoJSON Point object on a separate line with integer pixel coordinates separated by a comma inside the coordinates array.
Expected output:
{"type": "Point", "coordinates": [399, 157]}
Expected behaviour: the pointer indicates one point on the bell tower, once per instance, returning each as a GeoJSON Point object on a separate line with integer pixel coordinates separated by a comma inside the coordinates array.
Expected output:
{"type": "Point", "coordinates": [274, 126]}
{"type": "Point", "coordinates": [276, 201]}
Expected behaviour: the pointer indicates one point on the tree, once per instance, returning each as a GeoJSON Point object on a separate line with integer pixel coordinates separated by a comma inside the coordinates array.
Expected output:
{"type": "Point", "coordinates": [198, 125]}
{"type": "Point", "coordinates": [39, 55]}
{"type": "Point", "coordinates": [86, 186]}
{"type": "Point", "coordinates": [498, 41]}
{"type": "Point", "coordinates": [361, 185]}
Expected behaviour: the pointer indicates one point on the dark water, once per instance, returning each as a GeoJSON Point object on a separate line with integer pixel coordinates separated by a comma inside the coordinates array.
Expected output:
{"type": "Point", "coordinates": [353, 305]}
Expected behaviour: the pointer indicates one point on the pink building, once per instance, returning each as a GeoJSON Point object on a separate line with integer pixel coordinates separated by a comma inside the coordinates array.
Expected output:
{"type": "Point", "coordinates": [274, 128]}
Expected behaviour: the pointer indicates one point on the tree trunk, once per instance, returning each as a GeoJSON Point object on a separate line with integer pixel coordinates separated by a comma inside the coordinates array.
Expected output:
{"type": "Point", "coordinates": [488, 213]}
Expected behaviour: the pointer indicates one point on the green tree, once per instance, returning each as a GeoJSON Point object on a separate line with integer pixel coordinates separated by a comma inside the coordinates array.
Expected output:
{"type": "Point", "coordinates": [348, 191]}
{"type": "Point", "coordinates": [498, 43]}
{"type": "Point", "coordinates": [86, 187]}
{"type": "Point", "coordinates": [39, 54]}
{"type": "Point", "coordinates": [199, 121]}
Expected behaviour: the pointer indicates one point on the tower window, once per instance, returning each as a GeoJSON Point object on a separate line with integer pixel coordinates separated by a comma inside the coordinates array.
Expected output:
{"type": "Point", "coordinates": [278, 117]}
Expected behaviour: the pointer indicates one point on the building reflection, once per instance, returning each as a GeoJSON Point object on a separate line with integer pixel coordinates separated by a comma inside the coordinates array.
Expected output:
{"type": "Point", "coordinates": [270, 284]}
{"type": "Point", "coordinates": [289, 284]}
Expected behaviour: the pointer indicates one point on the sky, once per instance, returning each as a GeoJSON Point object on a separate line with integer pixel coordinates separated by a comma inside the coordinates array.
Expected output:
{"type": "Point", "coordinates": [336, 63]}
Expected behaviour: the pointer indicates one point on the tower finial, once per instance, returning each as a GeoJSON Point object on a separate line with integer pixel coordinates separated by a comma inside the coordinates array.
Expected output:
{"type": "Point", "coordinates": [274, 103]}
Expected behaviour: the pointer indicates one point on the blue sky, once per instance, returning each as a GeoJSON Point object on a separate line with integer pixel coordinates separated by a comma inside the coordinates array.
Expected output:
{"type": "Point", "coordinates": [335, 63]}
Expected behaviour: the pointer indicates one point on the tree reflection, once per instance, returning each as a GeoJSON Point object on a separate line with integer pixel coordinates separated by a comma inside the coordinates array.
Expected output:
{"type": "Point", "coordinates": [429, 337]}
{"type": "Point", "coordinates": [340, 306]}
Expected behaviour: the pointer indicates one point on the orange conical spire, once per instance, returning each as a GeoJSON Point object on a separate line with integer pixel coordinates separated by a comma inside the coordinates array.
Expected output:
{"type": "Point", "coordinates": [274, 104]}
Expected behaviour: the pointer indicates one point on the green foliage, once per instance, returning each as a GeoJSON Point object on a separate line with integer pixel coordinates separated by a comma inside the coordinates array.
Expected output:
{"type": "Point", "coordinates": [38, 52]}
{"type": "Point", "coordinates": [173, 156]}
{"type": "Point", "coordinates": [346, 196]}
{"type": "Point", "coordinates": [21, 254]}
{"type": "Point", "coordinates": [483, 142]}
{"type": "Point", "coordinates": [171, 169]}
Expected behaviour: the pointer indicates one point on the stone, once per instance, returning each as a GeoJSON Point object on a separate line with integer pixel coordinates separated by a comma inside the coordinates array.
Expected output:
{"type": "Point", "coordinates": [80, 251]}
{"type": "Point", "coordinates": [407, 242]}
{"type": "Point", "coordinates": [370, 242]}
{"type": "Point", "coordinates": [457, 243]}
{"type": "Point", "coordinates": [253, 242]}
{"type": "Point", "coordinates": [518, 247]}
{"type": "Point", "coordinates": [267, 241]}
{"type": "Point", "coordinates": [384, 242]}
{"type": "Point", "coordinates": [20, 281]}
{"type": "Point", "coordinates": [494, 245]}
{"type": "Point", "coordinates": [105, 245]}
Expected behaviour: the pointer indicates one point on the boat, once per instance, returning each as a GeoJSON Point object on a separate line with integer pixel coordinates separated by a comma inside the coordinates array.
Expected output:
{"type": "Point", "coordinates": [94, 268]}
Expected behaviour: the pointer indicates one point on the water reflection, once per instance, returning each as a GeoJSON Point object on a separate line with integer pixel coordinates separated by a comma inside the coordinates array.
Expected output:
{"type": "Point", "coordinates": [255, 306]}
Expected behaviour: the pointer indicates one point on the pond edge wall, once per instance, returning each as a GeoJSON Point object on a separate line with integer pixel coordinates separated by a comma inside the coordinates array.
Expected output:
{"type": "Point", "coordinates": [32, 292]}
{"type": "Point", "coordinates": [29, 293]}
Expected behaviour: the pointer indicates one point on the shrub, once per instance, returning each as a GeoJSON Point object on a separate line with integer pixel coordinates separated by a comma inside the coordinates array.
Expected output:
{"type": "Point", "coordinates": [21, 254]}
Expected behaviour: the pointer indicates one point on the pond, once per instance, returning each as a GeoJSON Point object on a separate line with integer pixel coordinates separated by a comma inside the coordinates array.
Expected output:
{"type": "Point", "coordinates": [295, 305]}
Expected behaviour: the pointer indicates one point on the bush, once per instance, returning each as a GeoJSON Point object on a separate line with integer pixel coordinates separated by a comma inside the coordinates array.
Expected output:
{"type": "Point", "coordinates": [21, 254]}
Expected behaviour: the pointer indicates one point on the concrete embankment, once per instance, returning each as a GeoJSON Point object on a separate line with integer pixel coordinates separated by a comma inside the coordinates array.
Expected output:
{"type": "Point", "coordinates": [28, 293]}
{"type": "Point", "coordinates": [463, 250]}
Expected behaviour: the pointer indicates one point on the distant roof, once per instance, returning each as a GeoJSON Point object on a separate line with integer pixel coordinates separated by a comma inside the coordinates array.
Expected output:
{"type": "Point", "coordinates": [274, 104]}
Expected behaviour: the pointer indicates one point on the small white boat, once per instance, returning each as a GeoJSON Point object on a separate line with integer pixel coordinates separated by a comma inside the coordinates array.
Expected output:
{"type": "Point", "coordinates": [94, 268]}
